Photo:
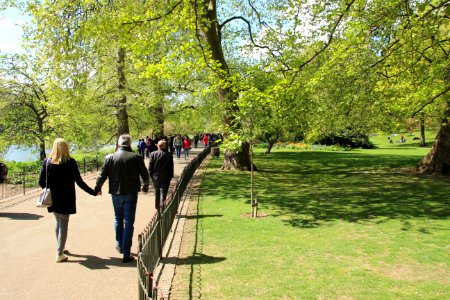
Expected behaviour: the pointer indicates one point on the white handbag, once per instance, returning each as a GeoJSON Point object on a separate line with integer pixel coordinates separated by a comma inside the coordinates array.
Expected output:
{"type": "Point", "coordinates": [45, 197]}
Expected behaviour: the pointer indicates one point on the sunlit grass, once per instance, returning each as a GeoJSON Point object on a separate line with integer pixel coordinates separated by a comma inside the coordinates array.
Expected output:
{"type": "Point", "coordinates": [334, 225]}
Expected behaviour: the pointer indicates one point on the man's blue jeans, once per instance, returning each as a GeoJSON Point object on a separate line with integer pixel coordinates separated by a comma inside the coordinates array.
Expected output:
{"type": "Point", "coordinates": [125, 212]}
{"type": "Point", "coordinates": [178, 150]}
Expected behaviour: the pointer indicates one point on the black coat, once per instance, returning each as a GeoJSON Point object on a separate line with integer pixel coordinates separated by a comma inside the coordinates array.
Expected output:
{"type": "Point", "coordinates": [160, 166]}
{"type": "Point", "coordinates": [124, 169]}
{"type": "Point", "coordinates": [61, 180]}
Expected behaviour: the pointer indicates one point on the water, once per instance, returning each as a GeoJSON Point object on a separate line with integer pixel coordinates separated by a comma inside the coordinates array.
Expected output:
{"type": "Point", "coordinates": [21, 154]}
{"type": "Point", "coordinates": [26, 153]}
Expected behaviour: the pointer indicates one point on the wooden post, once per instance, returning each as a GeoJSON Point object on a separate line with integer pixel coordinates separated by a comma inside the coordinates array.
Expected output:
{"type": "Point", "coordinates": [24, 183]}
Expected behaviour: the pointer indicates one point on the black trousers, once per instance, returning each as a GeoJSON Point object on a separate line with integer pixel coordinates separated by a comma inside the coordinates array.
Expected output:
{"type": "Point", "coordinates": [161, 189]}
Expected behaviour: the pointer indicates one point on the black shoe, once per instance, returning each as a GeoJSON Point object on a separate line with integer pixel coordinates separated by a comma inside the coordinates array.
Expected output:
{"type": "Point", "coordinates": [119, 249]}
{"type": "Point", "coordinates": [127, 259]}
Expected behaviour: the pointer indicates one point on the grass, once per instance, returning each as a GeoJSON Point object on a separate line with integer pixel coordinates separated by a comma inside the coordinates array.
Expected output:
{"type": "Point", "coordinates": [336, 225]}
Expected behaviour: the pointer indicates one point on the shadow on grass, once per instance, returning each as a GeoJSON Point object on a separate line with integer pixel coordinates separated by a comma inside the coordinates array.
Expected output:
{"type": "Point", "coordinates": [190, 217]}
{"type": "Point", "coordinates": [316, 187]}
{"type": "Point", "coordinates": [196, 259]}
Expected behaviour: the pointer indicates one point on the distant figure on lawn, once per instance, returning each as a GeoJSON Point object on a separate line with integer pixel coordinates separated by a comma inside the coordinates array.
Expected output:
{"type": "Point", "coordinates": [160, 169]}
{"type": "Point", "coordinates": [123, 168]}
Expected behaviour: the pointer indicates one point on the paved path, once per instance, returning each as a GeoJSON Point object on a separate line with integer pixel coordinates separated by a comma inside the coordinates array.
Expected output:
{"type": "Point", "coordinates": [94, 269]}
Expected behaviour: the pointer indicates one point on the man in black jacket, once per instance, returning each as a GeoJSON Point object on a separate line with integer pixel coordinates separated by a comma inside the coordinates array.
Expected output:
{"type": "Point", "coordinates": [124, 168]}
{"type": "Point", "coordinates": [160, 168]}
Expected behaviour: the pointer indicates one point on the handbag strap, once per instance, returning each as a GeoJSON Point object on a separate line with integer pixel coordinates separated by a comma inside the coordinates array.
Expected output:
{"type": "Point", "coordinates": [46, 171]}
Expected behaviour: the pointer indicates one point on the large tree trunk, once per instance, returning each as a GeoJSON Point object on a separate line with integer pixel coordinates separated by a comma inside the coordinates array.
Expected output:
{"type": "Point", "coordinates": [238, 160]}
{"type": "Point", "coordinates": [209, 32]}
{"type": "Point", "coordinates": [42, 154]}
{"type": "Point", "coordinates": [437, 160]}
{"type": "Point", "coordinates": [40, 137]}
{"type": "Point", "coordinates": [422, 131]}
{"type": "Point", "coordinates": [121, 113]}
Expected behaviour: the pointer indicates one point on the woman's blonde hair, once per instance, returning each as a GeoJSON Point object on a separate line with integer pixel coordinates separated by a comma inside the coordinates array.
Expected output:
{"type": "Point", "coordinates": [60, 151]}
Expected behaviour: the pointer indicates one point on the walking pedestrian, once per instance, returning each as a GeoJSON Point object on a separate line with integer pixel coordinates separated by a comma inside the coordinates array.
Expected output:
{"type": "Point", "coordinates": [186, 146]}
{"type": "Point", "coordinates": [160, 169]}
{"type": "Point", "coordinates": [178, 142]}
{"type": "Point", "coordinates": [195, 140]}
{"type": "Point", "coordinates": [205, 139]}
{"type": "Point", "coordinates": [124, 168]}
{"type": "Point", "coordinates": [60, 173]}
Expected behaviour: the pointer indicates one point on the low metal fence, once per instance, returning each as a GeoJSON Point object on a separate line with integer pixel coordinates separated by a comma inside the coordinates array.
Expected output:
{"type": "Point", "coordinates": [154, 235]}
{"type": "Point", "coordinates": [20, 184]}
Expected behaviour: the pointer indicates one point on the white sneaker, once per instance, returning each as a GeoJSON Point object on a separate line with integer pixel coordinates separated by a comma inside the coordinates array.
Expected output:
{"type": "Point", "coordinates": [61, 258]}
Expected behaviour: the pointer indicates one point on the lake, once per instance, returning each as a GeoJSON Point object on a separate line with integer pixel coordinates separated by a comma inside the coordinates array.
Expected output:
{"type": "Point", "coordinates": [24, 154]}
{"type": "Point", "coordinates": [21, 154]}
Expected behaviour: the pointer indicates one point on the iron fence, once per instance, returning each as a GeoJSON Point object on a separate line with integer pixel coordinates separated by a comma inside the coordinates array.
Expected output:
{"type": "Point", "coordinates": [20, 184]}
{"type": "Point", "coordinates": [153, 237]}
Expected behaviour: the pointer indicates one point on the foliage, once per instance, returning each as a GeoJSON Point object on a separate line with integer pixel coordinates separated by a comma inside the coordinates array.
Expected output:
{"type": "Point", "coordinates": [19, 168]}
{"type": "Point", "coordinates": [269, 70]}
{"type": "Point", "coordinates": [346, 138]}
{"type": "Point", "coordinates": [25, 95]}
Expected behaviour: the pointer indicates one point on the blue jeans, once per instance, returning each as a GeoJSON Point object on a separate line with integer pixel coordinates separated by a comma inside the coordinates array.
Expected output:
{"type": "Point", "coordinates": [124, 214]}
{"type": "Point", "coordinates": [178, 149]}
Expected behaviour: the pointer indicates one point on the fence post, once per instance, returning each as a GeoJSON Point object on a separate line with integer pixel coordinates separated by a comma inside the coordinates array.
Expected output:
{"type": "Point", "coordinates": [24, 183]}
{"type": "Point", "coordinates": [160, 233]}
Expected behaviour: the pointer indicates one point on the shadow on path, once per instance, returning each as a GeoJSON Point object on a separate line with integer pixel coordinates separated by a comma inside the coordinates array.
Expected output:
{"type": "Point", "coordinates": [20, 216]}
{"type": "Point", "coordinates": [97, 263]}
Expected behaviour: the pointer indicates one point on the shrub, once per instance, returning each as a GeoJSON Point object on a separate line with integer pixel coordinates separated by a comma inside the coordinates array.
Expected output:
{"type": "Point", "coordinates": [346, 138]}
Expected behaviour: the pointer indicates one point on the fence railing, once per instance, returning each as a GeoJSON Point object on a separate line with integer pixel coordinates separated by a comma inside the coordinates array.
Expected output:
{"type": "Point", "coordinates": [19, 184]}
{"type": "Point", "coordinates": [154, 235]}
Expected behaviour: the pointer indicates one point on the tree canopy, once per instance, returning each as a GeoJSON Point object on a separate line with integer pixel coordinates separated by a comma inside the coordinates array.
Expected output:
{"type": "Point", "coordinates": [292, 68]}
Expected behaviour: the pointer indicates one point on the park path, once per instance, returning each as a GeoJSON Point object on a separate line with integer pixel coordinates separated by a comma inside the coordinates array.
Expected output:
{"type": "Point", "coordinates": [94, 269]}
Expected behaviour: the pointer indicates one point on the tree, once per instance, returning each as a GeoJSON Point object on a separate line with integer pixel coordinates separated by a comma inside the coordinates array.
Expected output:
{"type": "Point", "coordinates": [25, 97]}
{"type": "Point", "coordinates": [412, 38]}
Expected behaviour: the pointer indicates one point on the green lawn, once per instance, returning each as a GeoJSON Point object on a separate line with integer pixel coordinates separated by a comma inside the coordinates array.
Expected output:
{"type": "Point", "coordinates": [333, 225]}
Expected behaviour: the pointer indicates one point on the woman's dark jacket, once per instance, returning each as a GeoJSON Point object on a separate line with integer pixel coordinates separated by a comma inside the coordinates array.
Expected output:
{"type": "Point", "coordinates": [61, 180]}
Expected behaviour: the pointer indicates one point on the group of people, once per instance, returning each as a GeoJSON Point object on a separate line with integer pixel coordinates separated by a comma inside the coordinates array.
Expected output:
{"type": "Point", "coordinates": [177, 143]}
{"type": "Point", "coordinates": [402, 139]}
{"type": "Point", "coordinates": [181, 143]}
{"type": "Point", "coordinates": [125, 169]}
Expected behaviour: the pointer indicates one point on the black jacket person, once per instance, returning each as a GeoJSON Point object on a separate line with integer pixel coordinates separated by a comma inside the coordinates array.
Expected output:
{"type": "Point", "coordinates": [124, 168]}
{"type": "Point", "coordinates": [160, 168]}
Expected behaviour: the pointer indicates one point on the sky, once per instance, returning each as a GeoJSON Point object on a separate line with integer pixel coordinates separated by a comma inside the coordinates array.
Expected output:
{"type": "Point", "coordinates": [11, 31]}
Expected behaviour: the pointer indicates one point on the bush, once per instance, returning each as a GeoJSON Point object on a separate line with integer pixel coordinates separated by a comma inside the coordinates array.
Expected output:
{"type": "Point", "coordinates": [346, 138]}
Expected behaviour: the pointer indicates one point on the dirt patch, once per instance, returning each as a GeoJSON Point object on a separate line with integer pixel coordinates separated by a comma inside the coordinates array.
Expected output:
{"type": "Point", "coordinates": [415, 272]}
{"type": "Point", "coordinates": [259, 215]}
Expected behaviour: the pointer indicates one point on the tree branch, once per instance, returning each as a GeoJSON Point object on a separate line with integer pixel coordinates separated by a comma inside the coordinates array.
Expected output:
{"type": "Point", "coordinates": [158, 17]}
{"type": "Point", "coordinates": [327, 44]}
{"type": "Point", "coordinates": [173, 112]}
{"type": "Point", "coordinates": [252, 39]}
{"type": "Point", "coordinates": [431, 101]}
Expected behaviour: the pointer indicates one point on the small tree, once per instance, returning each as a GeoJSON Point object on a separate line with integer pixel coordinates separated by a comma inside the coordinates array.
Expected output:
{"type": "Point", "coordinates": [24, 104]}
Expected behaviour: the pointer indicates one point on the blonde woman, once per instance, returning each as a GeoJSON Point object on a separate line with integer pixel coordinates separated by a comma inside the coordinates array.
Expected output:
{"type": "Point", "coordinates": [62, 173]}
